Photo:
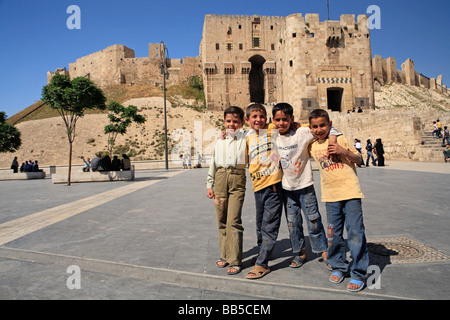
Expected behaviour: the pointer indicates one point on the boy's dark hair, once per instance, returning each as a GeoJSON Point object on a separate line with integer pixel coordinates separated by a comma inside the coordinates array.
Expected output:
{"type": "Point", "coordinates": [284, 107]}
{"type": "Point", "coordinates": [255, 107]}
{"type": "Point", "coordinates": [319, 113]}
{"type": "Point", "coordinates": [234, 110]}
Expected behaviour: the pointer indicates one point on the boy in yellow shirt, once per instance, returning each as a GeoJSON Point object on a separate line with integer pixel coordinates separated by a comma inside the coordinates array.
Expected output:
{"type": "Point", "coordinates": [265, 172]}
{"type": "Point", "coordinates": [342, 195]}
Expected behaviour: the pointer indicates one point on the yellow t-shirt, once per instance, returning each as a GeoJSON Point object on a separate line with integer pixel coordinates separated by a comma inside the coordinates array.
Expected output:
{"type": "Point", "coordinates": [338, 180]}
{"type": "Point", "coordinates": [264, 161]}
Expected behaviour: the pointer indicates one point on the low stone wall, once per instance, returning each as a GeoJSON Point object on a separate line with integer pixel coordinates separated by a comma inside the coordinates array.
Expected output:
{"type": "Point", "coordinates": [76, 177]}
{"type": "Point", "coordinates": [399, 129]}
{"type": "Point", "coordinates": [9, 175]}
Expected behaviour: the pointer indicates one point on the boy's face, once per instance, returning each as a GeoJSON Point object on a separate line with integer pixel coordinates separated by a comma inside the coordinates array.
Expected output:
{"type": "Point", "coordinates": [232, 122]}
{"type": "Point", "coordinates": [320, 127]}
{"type": "Point", "coordinates": [282, 121]}
{"type": "Point", "coordinates": [257, 120]}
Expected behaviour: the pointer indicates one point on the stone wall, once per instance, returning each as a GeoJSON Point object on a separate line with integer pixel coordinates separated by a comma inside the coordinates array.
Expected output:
{"type": "Point", "coordinates": [117, 64]}
{"type": "Point", "coordinates": [385, 72]}
{"type": "Point", "coordinates": [326, 64]}
{"type": "Point", "coordinates": [293, 59]}
{"type": "Point", "coordinates": [400, 130]}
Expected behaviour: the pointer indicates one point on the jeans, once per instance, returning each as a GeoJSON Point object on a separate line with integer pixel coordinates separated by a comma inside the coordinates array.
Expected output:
{"type": "Point", "coordinates": [269, 207]}
{"type": "Point", "coordinates": [348, 213]}
{"type": "Point", "coordinates": [296, 201]}
{"type": "Point", "coordinates": [370, 155]}
{"type": "Point", "coordinates": [445, 139]}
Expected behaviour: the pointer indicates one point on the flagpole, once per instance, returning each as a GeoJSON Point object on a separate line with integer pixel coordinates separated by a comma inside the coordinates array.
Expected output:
{"type": "Point", "coordinates": [328, 8]}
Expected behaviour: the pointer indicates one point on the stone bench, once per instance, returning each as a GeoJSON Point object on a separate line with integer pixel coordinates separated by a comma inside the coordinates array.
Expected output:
{"type": "Point", "coordinates": [94, 176]}
{"type": "Point", "coordinates": [9, 175]}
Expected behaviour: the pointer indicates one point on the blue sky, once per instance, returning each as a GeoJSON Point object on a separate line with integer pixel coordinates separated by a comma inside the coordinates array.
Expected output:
{"type": "Point", "coordinates": [34, 37]}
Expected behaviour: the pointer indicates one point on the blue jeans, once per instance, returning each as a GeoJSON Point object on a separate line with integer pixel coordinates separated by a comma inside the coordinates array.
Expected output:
{"type": "Point", "coordinates": [370, 155]}
{"type": "Point", "coordinates": [348, 213]}
{"type": "Point", "coordinates": [296, 201]}
{"type": "Point", "coordinates": [269, 207]}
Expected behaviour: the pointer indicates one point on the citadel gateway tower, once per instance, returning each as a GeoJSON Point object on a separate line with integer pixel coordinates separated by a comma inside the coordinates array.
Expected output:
{"type": "Point", "coordinates": [299, 60]}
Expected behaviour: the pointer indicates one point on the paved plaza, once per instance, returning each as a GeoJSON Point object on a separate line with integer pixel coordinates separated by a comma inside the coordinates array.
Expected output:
{"type": "Point", "coordinates": [156, 238]}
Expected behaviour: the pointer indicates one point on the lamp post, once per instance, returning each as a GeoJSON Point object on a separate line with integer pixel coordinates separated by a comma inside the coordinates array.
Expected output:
{"type": "Point", "coordinates": [165, 73]}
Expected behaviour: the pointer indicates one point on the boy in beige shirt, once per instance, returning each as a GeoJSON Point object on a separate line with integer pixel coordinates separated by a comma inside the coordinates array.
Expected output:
{"type": "Point", "coordinates": [226, 185]}
{"type": "Point", "coordinates": [342, 195]}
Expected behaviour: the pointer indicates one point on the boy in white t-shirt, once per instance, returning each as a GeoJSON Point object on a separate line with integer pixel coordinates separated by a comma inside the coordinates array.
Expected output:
{"type": "Point", "coordinates": [298, 184]}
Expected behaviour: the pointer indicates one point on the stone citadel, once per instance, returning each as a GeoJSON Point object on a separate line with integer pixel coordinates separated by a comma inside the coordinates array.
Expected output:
{"type": "Point", "coordinates": [243, 59]}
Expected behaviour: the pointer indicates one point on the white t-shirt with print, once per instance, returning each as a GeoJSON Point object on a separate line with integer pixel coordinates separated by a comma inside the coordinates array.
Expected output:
{"type": "Point", "coordinates": [295, 159]}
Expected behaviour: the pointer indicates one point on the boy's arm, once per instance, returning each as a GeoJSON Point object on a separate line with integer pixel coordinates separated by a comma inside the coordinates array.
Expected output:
{"type": "Point", "coordinates": [332, 137]}
{"type": "Point", "coordinates": [336, 149]}
{"type": "Point", "coordinates": [210, 178]}
{"type": "Point", "coordinates": [332, 140]}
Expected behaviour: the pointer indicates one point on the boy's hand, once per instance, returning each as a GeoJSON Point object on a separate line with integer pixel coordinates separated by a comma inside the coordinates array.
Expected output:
{"type": "Point", "coordinates": [210, 193]}
{"type": "Point", "coordinates": [332, 143]}
{"type": "Point", "coordinates": [335, 149]}
{"type": "Point", "coordinates": [295, 125]}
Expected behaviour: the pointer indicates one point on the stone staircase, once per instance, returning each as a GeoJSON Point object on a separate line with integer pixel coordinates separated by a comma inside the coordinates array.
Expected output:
{"type": "Point", "coordinates": [432, 147]}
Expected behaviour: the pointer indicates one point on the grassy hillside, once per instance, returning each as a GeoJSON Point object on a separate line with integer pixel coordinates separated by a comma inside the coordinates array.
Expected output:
{"type": "Point", "coordinates": [121, 93]}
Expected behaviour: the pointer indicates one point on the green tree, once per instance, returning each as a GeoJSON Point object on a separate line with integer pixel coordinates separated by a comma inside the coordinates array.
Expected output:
{"type": "Point", "coordinates": [9, 135]}
{"type": "Point", "coordinates": [120, 119]}
{"type": "Point", "coordinates": [71, 98]}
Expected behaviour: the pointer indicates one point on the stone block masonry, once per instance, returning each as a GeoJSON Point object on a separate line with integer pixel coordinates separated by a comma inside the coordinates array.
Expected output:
{"type": "Point", "coordinates": [267, 59]}
{"type": "Point", "coordinates": [292, 59]}
{"type": "Point", "coordinates": [117, 64]}
{"type": "Point", "coordinates": [401, 131]}
{"type": "Point", "coordinates": [9, 175]}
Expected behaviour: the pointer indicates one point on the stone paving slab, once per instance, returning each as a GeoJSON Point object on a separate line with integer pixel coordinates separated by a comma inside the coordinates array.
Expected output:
{"type": "Point", "coordinates": [161, 235]}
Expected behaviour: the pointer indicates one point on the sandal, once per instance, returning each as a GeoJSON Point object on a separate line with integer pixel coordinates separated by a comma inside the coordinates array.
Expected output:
{"type": "Point", "coordinates": [236, 269]}
{"type": "Point", "coordinates": [338, 274]}
{"type": "Point", "coordinates": [359, 283]}
{"type": "Point", "coordinates": [257, 272]}
{"type": "Point", "coordinates": [221, 263]}
{"type": "Point", "coordinates": [297, 262]}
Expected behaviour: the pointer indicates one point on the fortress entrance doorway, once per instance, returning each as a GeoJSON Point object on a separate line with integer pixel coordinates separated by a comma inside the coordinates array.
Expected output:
{"type": "Point", "coordinates": [334, 98]}
{"type": "Point", "coordinates": [256, 79]}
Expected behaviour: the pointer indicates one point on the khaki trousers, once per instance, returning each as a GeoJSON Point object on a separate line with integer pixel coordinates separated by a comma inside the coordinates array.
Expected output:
{"type": "Point", "coordinates": [229, 190]}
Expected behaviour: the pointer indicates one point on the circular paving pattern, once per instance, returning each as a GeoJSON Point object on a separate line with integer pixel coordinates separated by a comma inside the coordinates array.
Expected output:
{"type": "Point", "coordinates": [402, 250]}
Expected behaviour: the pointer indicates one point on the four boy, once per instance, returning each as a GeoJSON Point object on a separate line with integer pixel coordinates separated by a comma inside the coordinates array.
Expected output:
{"type": "Point", "coordinates": [278, 157]}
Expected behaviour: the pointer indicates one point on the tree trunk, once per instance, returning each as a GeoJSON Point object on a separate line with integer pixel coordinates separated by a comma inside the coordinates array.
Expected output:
{"type": "Point", "coordinates": [70, 162]}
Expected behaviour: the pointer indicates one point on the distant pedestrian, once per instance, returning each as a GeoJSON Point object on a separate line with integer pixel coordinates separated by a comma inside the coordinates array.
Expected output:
{"type": "Point", "coordinates": [439, 128]}
{"type": "Point", "coordinates": [87, 165]}
{"type": "Point", "coordinates": [95, 162]}
{"type": "Point", "coordinates": [126, 163]}
{"type": "Point", "coordinates": [446, 136]}
{"type": "Point", "coordinates": [15, 165]}
{"type": "Point", "coordinates": [435, 130]}
{"type": "Point", "coordinates": [369, 148]}
{"type": "Point", "coordinates": [379, 150]}
{"type": "Point", "coordinates": [115, 164]}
